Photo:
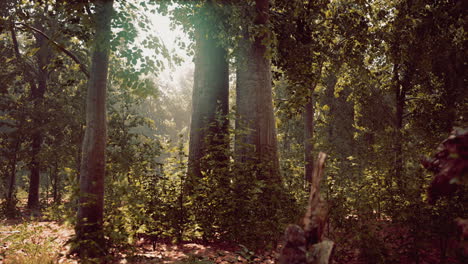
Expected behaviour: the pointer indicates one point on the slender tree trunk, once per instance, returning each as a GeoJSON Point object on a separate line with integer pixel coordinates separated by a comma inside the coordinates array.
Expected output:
{"type": "Point", "coordinates": [91, 201]}
{"type": "Point", "coordinates": [309, 127]}
{"type": "Point", "coordinates": [308, 140]}
{"type": "Point", "coordinates": [287, 137]}
{"type": "Point", "coordinates": [37, 96]}
{"type": "Point", "coordinates": [401, 89]}
{"type": "Point", "coordinates": [256, 137]}
{"type": "Point", "coordinates": [56, 184]}
{"type": "Point", "coordinates": [399, 136]}
{"type": "Point", "coordinates": [210, 99]}
{"type": "Point", "coordinates": [10, 205]}
{"type": "Point", "coordinates": [34, 178]}
{"type": "Point", "coordinates": [31, 80]}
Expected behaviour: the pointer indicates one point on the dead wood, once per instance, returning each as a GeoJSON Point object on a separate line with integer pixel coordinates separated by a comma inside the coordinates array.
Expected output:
{"type": "Point", "coordinates": [305, 246]}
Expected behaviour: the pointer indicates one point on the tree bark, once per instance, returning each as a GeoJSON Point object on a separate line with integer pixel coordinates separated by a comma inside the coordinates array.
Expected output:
{"type": "Point", "coordinates": [92, 172]}
{"type": "Point", "coordinates": [256, 137]}
{"type": "Point", "coordinates": [209, 124]}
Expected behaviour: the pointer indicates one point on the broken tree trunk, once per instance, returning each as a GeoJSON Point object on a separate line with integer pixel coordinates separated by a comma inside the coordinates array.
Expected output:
{"type": "Point", "coordinates": [306, 246]}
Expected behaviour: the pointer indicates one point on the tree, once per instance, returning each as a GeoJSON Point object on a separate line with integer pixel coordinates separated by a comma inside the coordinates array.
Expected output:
{"type": "Point", "coordinates": [255, 122]}
{"type": "Point", "coordinates": [12, 128]}
{"type": "Point", "coordinates": [304, 26]}
{"type": "Point", "coordinates": [37, 96]}
{"type": "Point", "coordinates": [89, 235]}
{"type": "Point", "coordinates": [210, 104]}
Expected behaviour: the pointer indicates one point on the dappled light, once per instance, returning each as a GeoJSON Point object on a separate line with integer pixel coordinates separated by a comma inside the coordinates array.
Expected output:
{"type": "Point", "coordinates": [233, 131]}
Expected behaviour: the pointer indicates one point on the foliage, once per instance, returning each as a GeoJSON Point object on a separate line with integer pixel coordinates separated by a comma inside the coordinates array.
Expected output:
{"type": "Point", "coordinates": [449, 164]}
{"type": "Point", "coordinates": [386, 80]}
{"type": "Point", "coordinates": [231, 201]}
{"type": "Point", "coordinates": [29, 245]}
{"type": "Point", "coordinates": [356, 111]}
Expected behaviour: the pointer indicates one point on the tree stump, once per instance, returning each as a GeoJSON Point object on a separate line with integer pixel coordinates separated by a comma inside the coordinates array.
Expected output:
{"type": "Point", "coordinates": [306, 246]}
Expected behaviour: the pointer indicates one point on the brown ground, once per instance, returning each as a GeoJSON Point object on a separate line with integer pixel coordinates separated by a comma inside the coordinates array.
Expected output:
{"type": "Point", "coordinates": [38, 241]}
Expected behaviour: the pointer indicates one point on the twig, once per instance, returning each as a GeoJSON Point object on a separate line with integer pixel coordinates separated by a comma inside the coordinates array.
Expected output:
{"type": "Point", "coordinates": [9, 232]}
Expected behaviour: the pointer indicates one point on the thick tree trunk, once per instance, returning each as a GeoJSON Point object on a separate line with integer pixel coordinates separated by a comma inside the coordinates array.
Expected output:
{"type": "Point", "coordinates": [92, 172]}
{"type": "Point", "coordinates": [37, 96]}
{"type": "Point", "coordinates": [256, 136]}
{"type": "Point", "coordinates": [210, 97]}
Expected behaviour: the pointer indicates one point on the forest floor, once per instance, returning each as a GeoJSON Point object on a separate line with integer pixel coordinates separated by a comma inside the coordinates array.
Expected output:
{"type": "Point", "coordinates": [31, 241]}
{"type": "Point", "coordinates": [37, 241]}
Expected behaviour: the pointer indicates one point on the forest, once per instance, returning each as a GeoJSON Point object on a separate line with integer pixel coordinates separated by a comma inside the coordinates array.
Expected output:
{"type": "Point", "coordinates": [224, 131]}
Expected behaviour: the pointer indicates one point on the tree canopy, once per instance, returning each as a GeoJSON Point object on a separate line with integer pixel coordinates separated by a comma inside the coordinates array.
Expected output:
{"type": "Point", "coordinates": [93, 132]}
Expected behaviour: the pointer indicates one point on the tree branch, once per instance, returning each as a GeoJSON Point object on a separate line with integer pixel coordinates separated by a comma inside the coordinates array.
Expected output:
{"type": "Point", "coordinates": [413, 98]}
{"type": "Point", "coordinates": [406, 115]}
{"type": "Point", "coordinates": [60, 47]}
{"type": "Point", "coordinates": [27, 68]}
{"type": "Point", "coordinates": [15, 42]}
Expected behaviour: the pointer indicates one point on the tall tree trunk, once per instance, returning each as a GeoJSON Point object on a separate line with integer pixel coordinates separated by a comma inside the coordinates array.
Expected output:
{"type": "Point", "coordinates": [308, 139]}
{"type": "Point", "coordinates": [210, 99]}
{"type": "Point", "coordinates": [256, 137]}
{"type": "Point", "coordinates": [27, 71]}
{"type": "Point", "coordinates": [37, 96]}
{"type": "Point", "coordinates": [401, 89]}
{"type": "Point", "coordinates": [92, 172]}
{"type": "Point", "coordinates": [399, 103]}
{"type": "Point", "coordinates": [309, 125]}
